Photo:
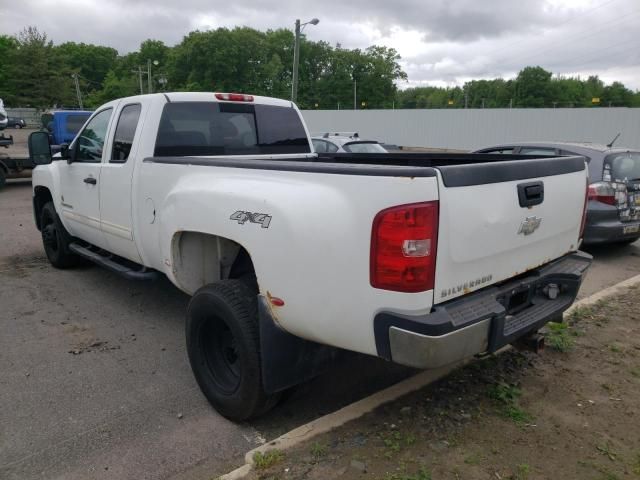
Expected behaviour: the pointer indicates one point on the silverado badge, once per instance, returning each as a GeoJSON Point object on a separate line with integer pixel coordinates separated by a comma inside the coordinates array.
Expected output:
{"type": "Point", "coordinates": [529, 225]}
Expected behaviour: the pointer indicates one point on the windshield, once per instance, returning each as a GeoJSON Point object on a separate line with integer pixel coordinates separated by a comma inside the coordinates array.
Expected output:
{"type": "Point", "coordinates": [622, 167]}
{"type": "Point", "coordinates": [363, 147]}
{"type": "Point", "coordinates": [211, 128]}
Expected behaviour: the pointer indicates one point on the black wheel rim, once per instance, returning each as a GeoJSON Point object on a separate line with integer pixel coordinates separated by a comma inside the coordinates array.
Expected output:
{"type": "Point", "coordinates": [50, 235]}
{"type": "Point", "coordinates": [221, 355]}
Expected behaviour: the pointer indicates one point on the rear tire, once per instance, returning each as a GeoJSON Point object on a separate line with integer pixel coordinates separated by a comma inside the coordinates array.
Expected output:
{"type": "Point", "coordinates": [3, 178]}
{"type": "Point", "coordinates": [56, 239]}
{"type": "Point", "coordinates": [223, 343]}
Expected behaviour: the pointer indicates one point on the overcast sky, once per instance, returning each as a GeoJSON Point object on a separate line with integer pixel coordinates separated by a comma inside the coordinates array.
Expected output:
{"type": "Point", "coordinates": [442, 42]}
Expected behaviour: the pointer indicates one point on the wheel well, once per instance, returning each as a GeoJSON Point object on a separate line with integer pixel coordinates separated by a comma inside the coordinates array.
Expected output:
{"type": "Point", "coordinates": [41, 197]}
{"type": "Point", "coordinates": [3, 167]}
{"type": "Point", "coordinates": [202, 258]}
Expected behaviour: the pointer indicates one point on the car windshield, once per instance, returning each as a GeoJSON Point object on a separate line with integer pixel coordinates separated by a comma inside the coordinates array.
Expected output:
{"type": "Point", "coordinates": [623, 166]}
{"type": "Point", "coordinates": [363, 147]}
{"type": "Point", "coordinates": [211, 128]}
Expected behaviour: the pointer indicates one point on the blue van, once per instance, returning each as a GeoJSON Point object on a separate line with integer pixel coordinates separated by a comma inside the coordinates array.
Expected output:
{"type": "Point", "coordinates": [63, 125]}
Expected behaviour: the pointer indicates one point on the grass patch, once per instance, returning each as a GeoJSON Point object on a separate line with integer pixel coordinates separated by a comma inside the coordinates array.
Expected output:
{"type": "Point", "coordinates": [268, 459]}
{"type": "Point", "coordinates": [615, 348]}
{"type": "Point", "coordinates": [395, 441]}
{"type": "Point", "coordinates": [635, 371]}
{"type": "Point", "coordinates": [506, 397]}
{"type": "Point", "coordinates": [522, 472]}
{"type": "Point", "coordinates": [473, 459]}
{"type": "Point", "coordinates": [558, 337]}
{"type": "Point", "coordinates": [580, 313]}
{"type": "Point", "coordinates": [423, 474]}
{"type": "Point", "coordinates": [606, 449]}
{"type": "Point", "coordinates": [318, 450]}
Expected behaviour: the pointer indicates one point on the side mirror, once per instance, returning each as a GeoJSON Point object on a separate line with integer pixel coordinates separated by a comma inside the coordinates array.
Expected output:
{"type": "Point", "coordinates": [69, 153]}
{"type": "Point", "coordinates": [39, 148]}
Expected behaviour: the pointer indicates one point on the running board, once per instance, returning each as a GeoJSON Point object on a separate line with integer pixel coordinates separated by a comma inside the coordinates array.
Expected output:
{"type": "Point", "coordinates": [127, 269]}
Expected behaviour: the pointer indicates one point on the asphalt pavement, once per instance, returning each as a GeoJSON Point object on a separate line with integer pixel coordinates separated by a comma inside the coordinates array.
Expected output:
{"type": "Point", "coordinates": [95, 380]}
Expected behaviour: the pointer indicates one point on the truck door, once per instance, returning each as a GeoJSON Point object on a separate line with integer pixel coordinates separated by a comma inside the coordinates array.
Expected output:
{"type": "Point", "coordinates": [116, 212]}
{"type": "Point", "coordinates": [80, 181]}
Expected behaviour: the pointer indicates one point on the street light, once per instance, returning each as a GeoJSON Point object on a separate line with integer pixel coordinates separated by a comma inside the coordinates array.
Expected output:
{"type": "Point", "coordinates": [150, 83]}
{"type": "Point", "coordinates": [296, 56]}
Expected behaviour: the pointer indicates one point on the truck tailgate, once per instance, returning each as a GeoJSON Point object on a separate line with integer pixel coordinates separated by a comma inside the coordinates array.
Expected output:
{"type": "Point", "coordinates": [498, 220]}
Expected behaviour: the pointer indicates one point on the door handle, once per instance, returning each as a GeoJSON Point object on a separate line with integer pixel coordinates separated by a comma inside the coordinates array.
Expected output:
{"type": "Point", "coordinates": [90, 180]}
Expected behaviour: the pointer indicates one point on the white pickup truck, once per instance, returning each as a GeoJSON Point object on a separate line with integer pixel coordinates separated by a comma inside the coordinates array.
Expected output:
{"type": "Point", "coordinates": [421, 259]}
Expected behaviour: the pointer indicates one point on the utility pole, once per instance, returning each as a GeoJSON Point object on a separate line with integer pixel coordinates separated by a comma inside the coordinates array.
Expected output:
{"type": "Point", "coordinates": [139, 72]}
{"type": "Point", "coordinates": [296, 56]}
{"type": "Point", "coordinates": [296, 61]}
{"type": "Point", "coordinates": [511, 103]}
{"type": "Point", "coordinates": [355, 90]}
{"type": "Point", "coordinates": [78, 94]}
{"type": "Point", "coordinates": [149, 85]}
{"type": "Point", "coordinates": [466, 100]}
{"type": "Point", "coordinates": [483, 103]}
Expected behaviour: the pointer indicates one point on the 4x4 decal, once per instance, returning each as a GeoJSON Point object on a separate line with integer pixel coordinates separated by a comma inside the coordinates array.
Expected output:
{"type": "Point", "coordinates": [242, 217]}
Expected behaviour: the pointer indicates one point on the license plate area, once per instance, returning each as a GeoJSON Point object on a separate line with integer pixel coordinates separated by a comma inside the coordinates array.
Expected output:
{"type": "Point", "coordinates": [630, 229]}
{"type": "Point", "coordinates": [516, 300]}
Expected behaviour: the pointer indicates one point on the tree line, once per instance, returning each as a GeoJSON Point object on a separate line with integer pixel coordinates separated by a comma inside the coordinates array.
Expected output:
{"type": "Point", "coordinates": [534, 87]}
{"type": "Point", "coordinates": [34, 72]}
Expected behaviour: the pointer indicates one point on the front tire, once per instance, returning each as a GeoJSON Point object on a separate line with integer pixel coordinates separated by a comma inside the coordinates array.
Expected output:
{"type": "Point", "coordinates": [56, 239]}
{"type": "Point", "coordinates": [223, 343]}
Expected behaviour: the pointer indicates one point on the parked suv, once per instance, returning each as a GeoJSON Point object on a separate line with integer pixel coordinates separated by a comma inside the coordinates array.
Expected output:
{"type": "Point", "coordinates": [345, 142]}
{"type": "Point", "coordinates": [613, 211]}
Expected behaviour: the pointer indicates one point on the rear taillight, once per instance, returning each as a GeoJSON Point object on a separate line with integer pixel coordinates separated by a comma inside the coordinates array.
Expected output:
{"type": "Point", "coordinates": [234, 97]}
{"type": "Point", "coordinates": [602, 192]}
{"type": "Point", "coordinates": [584, 209]}
{"type": "Point", "coordinates": [403, 247]}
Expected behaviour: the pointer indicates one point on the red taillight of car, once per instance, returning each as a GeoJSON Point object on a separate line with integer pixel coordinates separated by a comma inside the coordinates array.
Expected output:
{"type": "Point", "coordinates": [403, 247]}
{"type": "Point", "coordinates": [584, 209]}
{"type": "Point", "coordinates": [234, 97]}
{"type": "Point", "coordinates": [602, 192]}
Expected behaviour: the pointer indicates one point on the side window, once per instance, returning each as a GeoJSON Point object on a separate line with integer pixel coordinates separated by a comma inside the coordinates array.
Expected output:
{"type": "Point", "coordinates": [91, 140]}
{"type": "Point", "coordinates": [125, 131]}
{"type": "Point", "coordinates": [331, 147]}
{"type": "Point", "coordinates": [320, 146]}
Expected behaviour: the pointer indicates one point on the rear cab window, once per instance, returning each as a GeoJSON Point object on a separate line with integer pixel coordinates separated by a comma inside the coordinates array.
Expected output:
{"type": "Point", "coordinates": [537, 151]}
{"type": "Point", "coordinates": [622, 167]}
{"type": "Point", "coordinates": [211, 128]}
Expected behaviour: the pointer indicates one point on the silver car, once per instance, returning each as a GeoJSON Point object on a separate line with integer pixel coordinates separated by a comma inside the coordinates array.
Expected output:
{"type": "Point", "coordinates": [613, 211]}
{"type": "Point", "coordinates": [345, 142]}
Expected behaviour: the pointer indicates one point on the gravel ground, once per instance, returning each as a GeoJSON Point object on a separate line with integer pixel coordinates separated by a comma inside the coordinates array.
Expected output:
{"type": "Point", "coordinates": [570, 413]}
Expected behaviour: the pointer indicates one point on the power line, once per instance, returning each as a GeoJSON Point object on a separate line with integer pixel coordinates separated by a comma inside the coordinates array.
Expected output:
{"type": "Point", "coordinates": [604, 26]}
{"type": "Point", "coordinates": [555, 27]}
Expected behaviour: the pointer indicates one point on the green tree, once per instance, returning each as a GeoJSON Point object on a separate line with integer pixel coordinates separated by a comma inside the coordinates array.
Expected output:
{"type": "Point", "coordinates": [533, 87]}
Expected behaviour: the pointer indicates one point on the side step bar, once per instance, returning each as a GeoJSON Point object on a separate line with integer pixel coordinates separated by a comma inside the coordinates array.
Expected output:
{"type": "Point", "coordinates": [117, 265]}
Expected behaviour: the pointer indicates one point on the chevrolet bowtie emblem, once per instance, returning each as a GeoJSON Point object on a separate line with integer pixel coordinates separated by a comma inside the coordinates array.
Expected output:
{"type": "Point", "coordinates": [529, 225]}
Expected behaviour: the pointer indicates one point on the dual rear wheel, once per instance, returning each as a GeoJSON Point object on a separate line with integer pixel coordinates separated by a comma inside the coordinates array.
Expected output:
{"type": "Point", "coordinates": [223, 342]}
